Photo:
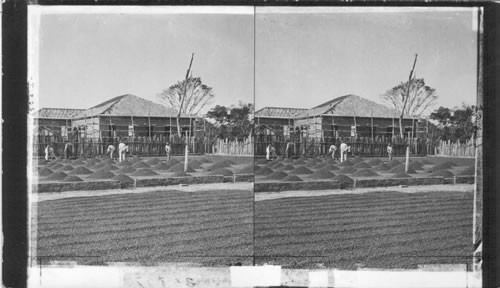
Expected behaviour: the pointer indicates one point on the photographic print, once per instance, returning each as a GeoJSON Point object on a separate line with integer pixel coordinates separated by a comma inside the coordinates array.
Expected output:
{"type": "Point", "coordinates": [366, 138]}
{"type": "Point", "coordinates": [231, 146]}
{"type": "Point", "coordinates": [141, 136]}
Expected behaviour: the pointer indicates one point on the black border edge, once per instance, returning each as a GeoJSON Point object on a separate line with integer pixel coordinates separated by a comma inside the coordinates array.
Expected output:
{"type": "Point", "coordinates": [14, 143]}
{"type": "Point", "coordinates": [15, 109]}
{"type": "Point", "coordinates": [491, 154]}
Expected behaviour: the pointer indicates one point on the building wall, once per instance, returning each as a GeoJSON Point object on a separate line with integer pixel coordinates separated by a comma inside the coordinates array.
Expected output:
{"type": "Point", "coordinates": [117, 127]}
{"type": "Point", "coordinates": [341, 126]}
{"type": "Point", "coordinates": [280, 125]}
{"type": "Point", "coordinates": [57, 126]}
{"type": "Point", "coordinates": [327, 128]}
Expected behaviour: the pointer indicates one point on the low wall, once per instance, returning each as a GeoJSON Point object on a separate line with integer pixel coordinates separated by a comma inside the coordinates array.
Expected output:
{"type": "Point", "coordinates": [76, 186]}
{"type": "Point", "coordinates": [287, 186]}
{"type": "Point", "coordinates": [364, 183]}
{"type": "Point", "coordinates": [191, 180]}
{"type": "Point", "coordinates": [150, 182]}
{"type": "Point", "coordinates": [465, 179]}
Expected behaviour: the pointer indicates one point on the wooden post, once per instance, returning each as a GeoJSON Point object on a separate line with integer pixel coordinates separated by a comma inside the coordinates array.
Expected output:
{"type": "Point", "coordinates": [149, 125]}
{"type": "Point", "coordinates": [407, 163]}
{"type": "Point", "coordinates": [372, 128]}
{"type": "Point", "coordinates": [392, 128]}
{"type": "Point", "coordinates": [186, 158]}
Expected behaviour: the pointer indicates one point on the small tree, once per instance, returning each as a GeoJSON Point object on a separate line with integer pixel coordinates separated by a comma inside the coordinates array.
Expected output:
{"type": "Point", "coordinates": [198, 96]}
{"type": "Point", "coordinates": [232, 122]}
{"type": "Point", "coordinates": [412, 97]}
{"type": "Point", "coordinates": [455, 124]}
{"type": "Point", "coordinates": [187, 97]}
{"type": "Point", "coordinates": [421, 97]}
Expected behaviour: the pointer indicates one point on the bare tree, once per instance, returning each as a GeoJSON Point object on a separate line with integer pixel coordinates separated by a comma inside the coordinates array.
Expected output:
{"type": "Point", "coordinates": [198, 96]}
{"type": "Point", "coordinates": [410, 98]}
{"type": "Point", "coordinates": [421, 97]}
{"type": "Point", "coordinates": [175, 96]}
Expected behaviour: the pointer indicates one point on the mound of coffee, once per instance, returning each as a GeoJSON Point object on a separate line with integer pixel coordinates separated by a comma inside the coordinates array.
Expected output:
{"type": "Point", "coordinates": [101, 175]}
{"type": "Point", "coordinates": [300, 171]}
{"type": "Point", "coordinates": [152, 161]}
{"type": "Point", "coordinates": [80, 170]}
{"type": "Point", "coordinates": [123, 178]}
{"type": "Point", "coordinates": [374, 162]}
{"type": "Point", "coordinates": [221, 171]}
{"type": "Point", "coordinates": [264, 171]}
{"type": "Point", "coordinates": [44, 171]}
{"type": "Point", "coordinates": [140, 164]}
{"type": "Point", "coordinates": [346, 163]}
{"type": "Point", "coordinates": [72, 178]}
{"type": "Point", "coordinates": [361, 165]}
{"type": "Point", "coordinates": [218, 165]}
{"type": "Point", "coordinates": [57, 176]}
{"type": "Point", "coordinates": [401, 169]}
{"type": "Point", "coordinates": [144, 172]}
{"type": "Point", "coordinates": [343, 180]}
{"type": "Point", "coordinates": [364, 173]}
{"type": "Point", "coordinates": [161, 166]}
{"type": "Point", "coordinates": [127, 170]}
{"type": "Point", "coordinates": [277, 175]}
{"type": "Point", "coordinates": [347, 170]}
{"type": "Point", "coordinates": [292, 178]}
{"type": "Point", "coordinates": [393, 163]}
{"type": "Point", "coordinates": [247, 170]}
{"type": "Point", "coordinates": [179, 167]}
{"type": "Point", "coordinates": [443, 173]}
{"type": "Point", "coordinates": [322, 174]}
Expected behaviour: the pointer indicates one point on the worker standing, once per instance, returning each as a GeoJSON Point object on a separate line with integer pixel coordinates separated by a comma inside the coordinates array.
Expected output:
{"type": "Point", "coordinates": [168, 150]}
{"type": "Point", "coordinates": [68, 149]}
{"type": "Point", "coordinates": [288, 150]}
{"type": "Point", "coordinates": [389, 151]}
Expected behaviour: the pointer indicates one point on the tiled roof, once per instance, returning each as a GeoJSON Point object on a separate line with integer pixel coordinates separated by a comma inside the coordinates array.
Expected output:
{"type": "Point", "coordinates": [352, 105]}
{"type": "Point", "coordinates": [277, 112]}
{"type": "Point", "coordinates": [130, 105]}
{"type": "Point", "coordinates": [57, 113]}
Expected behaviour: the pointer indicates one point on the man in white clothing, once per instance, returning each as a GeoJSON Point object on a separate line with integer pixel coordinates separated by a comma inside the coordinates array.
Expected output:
{"type": "Point", "coordinates": [343, 151]}
{"type": "Point", "coordinates": [389, 151]}
{"type": "Point", "coordinates": [122, 150]}
{"type": "Point", "coordinates": [332, 150]}
{"type": "Point", "coordinates": [268, 152]}
{"type": "Point", "coordinates": [168, 150]}
{"type": "Point", "coordinates": [110, 151]}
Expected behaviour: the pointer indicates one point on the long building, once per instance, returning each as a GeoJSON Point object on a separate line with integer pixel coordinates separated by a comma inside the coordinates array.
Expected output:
{"type": "Point", "coordinates": [122, 116]}
{"type": "Point", "coordinates": [344, 116]}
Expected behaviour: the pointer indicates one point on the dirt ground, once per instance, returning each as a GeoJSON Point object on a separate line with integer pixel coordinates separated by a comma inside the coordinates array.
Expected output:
{"type": "Point", "coordinates": [460, 165]}
{"type": "Point", "coordinates": [198, 188]}
{"type": "Point", "coordinates": [240, 162]}
{"type": "Point", "coordinates": [410, 189]}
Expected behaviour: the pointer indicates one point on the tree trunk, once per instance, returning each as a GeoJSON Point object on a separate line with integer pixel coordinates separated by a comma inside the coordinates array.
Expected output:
{"type": "Point", "coordinates": [179, 132]}
{"type": "Point", "coordinates": [410, 78]}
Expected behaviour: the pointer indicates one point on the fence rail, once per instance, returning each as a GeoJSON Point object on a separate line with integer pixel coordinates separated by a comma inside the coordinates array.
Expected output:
{"type": "Point", "coordinates": [225, 147]}
{"type": "Point", "coordinates": [365, 146]}
{"type": "Point", "coordinates": [446, 148]}
{"type": "Point", "coordinates": [90, 147]}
